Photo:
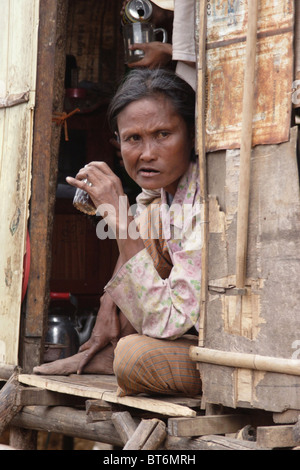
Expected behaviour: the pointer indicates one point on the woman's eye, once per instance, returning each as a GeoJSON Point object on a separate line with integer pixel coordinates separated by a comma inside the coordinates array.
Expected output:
{"type": "Point", "coordinates": [133, 138]}
{"type": "Point", "coordinates": [162, 134]}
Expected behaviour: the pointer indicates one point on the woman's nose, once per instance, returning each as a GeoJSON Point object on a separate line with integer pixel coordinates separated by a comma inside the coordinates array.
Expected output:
{"type": "Point", "coordinates": [148, 151]}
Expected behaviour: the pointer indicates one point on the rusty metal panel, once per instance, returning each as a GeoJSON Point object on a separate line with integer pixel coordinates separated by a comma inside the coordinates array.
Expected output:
{"type": "Point", "coordinates": [226, 40]}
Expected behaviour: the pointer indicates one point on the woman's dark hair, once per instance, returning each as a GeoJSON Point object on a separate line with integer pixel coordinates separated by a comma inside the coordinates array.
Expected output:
{"type": "Point", "coordinates": [143, 83]}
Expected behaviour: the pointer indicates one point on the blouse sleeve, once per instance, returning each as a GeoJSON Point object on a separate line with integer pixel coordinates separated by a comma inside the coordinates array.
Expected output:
{"type": "Point", "coordinates": [162, 308]}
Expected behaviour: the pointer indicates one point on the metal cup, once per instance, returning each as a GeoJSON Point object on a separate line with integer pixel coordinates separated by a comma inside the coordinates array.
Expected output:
{"type": "Point", "coordinates": [139, 33]}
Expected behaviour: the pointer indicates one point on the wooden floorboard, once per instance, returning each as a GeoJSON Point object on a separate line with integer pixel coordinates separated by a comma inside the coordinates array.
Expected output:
{"type": "Point", "coordinates": [104, 387]}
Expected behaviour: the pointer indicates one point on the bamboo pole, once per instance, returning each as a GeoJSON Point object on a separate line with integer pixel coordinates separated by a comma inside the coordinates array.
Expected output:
{"type": "Point", "coordinates": [245, 361]}
{"type": "Point", "coordinates": [201, 28]}
{"type": "Point", "coordinates": [246, 145]}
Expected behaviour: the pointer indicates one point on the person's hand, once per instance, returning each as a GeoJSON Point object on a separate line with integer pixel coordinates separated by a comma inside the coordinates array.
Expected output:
{"type": "Point", "coordinates": [104, 188]}
{"type": "Point", "coordinates": [106, 191]}
{"type": "Point", "coordinates": [157, 54]}
{"type": "Point", "coordinates": [106, 330]}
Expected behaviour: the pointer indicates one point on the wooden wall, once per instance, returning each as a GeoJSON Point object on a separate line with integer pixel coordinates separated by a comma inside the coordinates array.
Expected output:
{"type": "Point", "coordinates": [18, 58]}
{"type": "Point", "coordinates": [262, 318]}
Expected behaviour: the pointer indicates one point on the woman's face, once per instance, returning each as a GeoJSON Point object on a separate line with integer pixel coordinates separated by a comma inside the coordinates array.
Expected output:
{"type": "Point", "coordinates": [155, 143]}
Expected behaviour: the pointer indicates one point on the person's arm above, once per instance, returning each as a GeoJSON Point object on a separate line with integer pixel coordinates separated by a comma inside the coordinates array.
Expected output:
{"type": "Point", "coordinates": [157, 54]}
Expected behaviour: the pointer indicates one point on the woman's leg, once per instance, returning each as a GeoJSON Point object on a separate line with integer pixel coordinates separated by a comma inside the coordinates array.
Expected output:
{"type": "Point", "coordinates": [154, 366]}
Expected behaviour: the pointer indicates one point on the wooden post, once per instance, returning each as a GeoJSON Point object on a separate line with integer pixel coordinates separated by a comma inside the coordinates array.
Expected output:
{"type": "Point", "coordinates": [124, 424]}
{"type": "Point", "coordinates": [22, 439]}
{"type": "Point", "coordinates": [201, 149]}
{"type": "Point", "coordinates": [8, 406]}
{"type": "Point", "coordinates": [46, 135]}
{"type": "Point", "coordinates": [246, 145]}
{"type": "Point", "coordinates": [149, 435]}
{"type": "Point", "coordinates": [68, 421]}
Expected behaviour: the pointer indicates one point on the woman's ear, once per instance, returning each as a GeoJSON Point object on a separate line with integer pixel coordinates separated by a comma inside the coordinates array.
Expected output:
{"type": "Point", "coordinates": [117, 137]}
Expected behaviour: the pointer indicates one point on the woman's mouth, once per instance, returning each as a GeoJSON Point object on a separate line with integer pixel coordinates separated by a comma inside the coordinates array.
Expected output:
{"type": "Point", "coordinates": [148, 172]}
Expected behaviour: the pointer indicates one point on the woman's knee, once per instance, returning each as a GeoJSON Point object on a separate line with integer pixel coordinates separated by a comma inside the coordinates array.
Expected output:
{"type": "Point", "coordinates": [148, 365]}
{"type": "Point", "coordinates": [123, 347]}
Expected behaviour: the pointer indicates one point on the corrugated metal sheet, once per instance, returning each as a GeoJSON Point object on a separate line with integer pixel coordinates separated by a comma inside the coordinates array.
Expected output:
{"type": "Point", "coordinates": [226, 39]}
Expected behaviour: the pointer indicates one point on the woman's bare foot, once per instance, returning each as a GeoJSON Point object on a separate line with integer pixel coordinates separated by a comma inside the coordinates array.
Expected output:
{"type": "Point", "coordinates": [101, 363]}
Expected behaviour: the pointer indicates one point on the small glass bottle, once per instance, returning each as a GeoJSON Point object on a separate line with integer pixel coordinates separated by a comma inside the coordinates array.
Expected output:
{"type": "Point", "coordinates": [83, 202]}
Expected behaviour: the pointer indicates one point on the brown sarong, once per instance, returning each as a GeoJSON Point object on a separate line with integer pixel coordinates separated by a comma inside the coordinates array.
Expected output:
{"type": "Point", "coordinates": [156, 366]}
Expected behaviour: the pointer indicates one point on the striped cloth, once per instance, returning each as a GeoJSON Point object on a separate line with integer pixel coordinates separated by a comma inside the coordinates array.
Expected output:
{"type": "Point", "coordinates": [156, 366]}
{"type": "Point", "coordinates": [150, 365]}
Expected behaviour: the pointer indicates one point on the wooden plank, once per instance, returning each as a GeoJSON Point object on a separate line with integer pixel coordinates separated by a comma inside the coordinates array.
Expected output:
{"type": "Point", "coordinates": [286, 417]}
{"type": "Point", "coordinates": [95, 416]}
{"type": "Point", "coordinates": [212, 442]}
{"type": "Point", "coordinates": [27, 396]}
{"type": "Point", "coordinates": [97, 405]}
{"type": "Point", "coordinates": [203, 425]}
{"type": "Point", "coordinates": [77, 385]}
{"type": "Point", "coordinates": [276, 436]}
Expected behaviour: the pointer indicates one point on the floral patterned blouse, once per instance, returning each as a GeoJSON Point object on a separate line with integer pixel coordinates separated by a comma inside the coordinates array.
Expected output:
{"type": "Point", "coordinates": [166, 308]}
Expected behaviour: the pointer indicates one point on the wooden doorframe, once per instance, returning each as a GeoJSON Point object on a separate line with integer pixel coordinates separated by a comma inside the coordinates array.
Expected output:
{"type": "Point", "coordinates": [46, 136]}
